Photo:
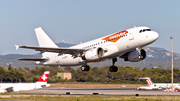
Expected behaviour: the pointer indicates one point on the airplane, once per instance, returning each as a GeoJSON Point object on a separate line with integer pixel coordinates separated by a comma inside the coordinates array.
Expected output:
{"type": "Point", "coordinates": [14, 87]}
{"type": "Point", "coordinates": [148, 88]}
{"type": "Point", "coordinates": [126, 44]}
{"type": "Point", "coordinates": [152, 85]}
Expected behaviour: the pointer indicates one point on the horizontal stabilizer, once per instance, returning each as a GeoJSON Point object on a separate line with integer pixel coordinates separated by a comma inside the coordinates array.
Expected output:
{"type": "Point", "coordinates": [17, 47]}
{"type": "Point", "coordinates": [33, 59]}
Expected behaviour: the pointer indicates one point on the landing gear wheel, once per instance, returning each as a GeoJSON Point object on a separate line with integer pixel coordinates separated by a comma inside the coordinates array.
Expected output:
{"type": "Point", "coordinates": [85, 68]}
{"type": "Point", "coordinates": [113, 69]}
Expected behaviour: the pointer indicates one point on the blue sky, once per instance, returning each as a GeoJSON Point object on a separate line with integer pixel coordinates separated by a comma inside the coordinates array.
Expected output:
{"type": "Point", "coordinates": [76, 21]}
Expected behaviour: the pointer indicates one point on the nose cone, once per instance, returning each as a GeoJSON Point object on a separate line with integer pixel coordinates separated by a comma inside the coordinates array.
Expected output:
{"type": "Point", "coordinates": [155, 36]}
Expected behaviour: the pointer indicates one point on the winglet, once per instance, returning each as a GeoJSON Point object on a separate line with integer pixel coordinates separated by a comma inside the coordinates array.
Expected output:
{"type": "Point", "coordinates": [17, 47]}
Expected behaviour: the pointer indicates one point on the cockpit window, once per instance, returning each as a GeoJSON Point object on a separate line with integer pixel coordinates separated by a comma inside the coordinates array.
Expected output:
{"type": "Point", "coordinates": [148, 29]}
{"type": "Point", "coordinates": [144, 30]}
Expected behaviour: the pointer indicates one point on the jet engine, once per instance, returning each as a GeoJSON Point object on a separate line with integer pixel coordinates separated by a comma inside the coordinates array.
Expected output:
{"type": "Point", "coordinates": [93, 54]}
{"type": "Point", "coordinates": [136, 56]}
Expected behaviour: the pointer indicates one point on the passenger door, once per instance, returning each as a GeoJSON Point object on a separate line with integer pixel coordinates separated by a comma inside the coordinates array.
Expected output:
{"type": "Point", "coordinates": [131, 35]}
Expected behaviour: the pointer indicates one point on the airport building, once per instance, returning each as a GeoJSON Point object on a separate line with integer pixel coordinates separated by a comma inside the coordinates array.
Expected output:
{"type": "Point", "coordinates": [65, 75]}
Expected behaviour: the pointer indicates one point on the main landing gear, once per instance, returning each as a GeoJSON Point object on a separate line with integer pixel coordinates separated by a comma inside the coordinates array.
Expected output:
{"type": "Point", "coordinates": [113, 68]}
{"type": "Point", "coordinates": [85, 68]}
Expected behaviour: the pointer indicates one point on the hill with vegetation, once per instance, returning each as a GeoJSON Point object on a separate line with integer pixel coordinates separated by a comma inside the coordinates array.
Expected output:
{"type": "Point", "coordinates": [126, 74]}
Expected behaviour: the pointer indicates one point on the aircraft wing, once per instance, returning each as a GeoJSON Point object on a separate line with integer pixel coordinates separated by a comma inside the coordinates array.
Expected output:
{"type": "Point", "coordinates": [73, 51]}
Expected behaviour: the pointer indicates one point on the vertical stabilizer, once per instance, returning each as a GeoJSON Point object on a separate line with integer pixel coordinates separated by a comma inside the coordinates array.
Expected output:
{"type": "Point", "coordinates": [148, 80]}
{"type": "Point", "coordinates": [44, 77]}
{"type": "Point", "coordinates": [42, 82]}
{"type": "Point", "coordinates": [44, 41]}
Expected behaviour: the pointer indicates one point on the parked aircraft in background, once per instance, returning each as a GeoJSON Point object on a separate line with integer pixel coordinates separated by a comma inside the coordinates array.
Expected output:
{"type": "Point", "coordinates": [13, 87]}
{"type": "Point", "coordinates": [125, 44]}
{"type": "Point", "coordinates": [149, 88]}
{"type": "Point", "coordinates": [152, 85]}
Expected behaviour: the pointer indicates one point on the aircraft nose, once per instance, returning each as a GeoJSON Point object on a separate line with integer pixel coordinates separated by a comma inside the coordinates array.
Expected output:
{"type": "Point", "coordinates": [155, 35]}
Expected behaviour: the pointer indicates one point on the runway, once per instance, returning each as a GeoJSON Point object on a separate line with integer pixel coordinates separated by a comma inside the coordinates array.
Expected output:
{"type": "Point", "coordinates": [97, 91]}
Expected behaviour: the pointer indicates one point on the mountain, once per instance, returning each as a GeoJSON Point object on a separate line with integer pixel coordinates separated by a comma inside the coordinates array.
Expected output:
{"type": "Point", "coordinates": [63, 44]}
{"type": "Point", "coordinates": [12, 58]}
{"type": "Point", "coordinates": [155, 57]}
{"type": "Point", "coordinates": [154, 53]}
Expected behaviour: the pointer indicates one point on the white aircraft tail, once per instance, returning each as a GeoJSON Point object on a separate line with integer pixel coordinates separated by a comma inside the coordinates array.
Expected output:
{"type": "Point", "coordinates": [44, 41]}
{"type": "Point", "coordinates": [148, 80]}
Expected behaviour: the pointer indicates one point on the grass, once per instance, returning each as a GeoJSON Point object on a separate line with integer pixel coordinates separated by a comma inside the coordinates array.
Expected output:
{"type": "Point", "coordinates": [96, 98]}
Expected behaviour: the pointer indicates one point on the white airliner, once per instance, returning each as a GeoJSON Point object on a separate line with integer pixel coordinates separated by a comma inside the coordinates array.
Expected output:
{"type": "Point", "coordinates": [152, 85]}
{"type": "Point", "coordinates": [126, 44]}
{"type": "Point", "coordinates": [14, 87]}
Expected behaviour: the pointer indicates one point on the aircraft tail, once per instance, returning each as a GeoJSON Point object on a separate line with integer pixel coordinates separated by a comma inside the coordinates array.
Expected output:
{"type": "Point", "coordinates": [148, 80]}
{"type": "Point", "coordinates": [44, 41]}
{"type": "Point", "coordinates": [42, 82]}
{"type": "Point", "coordinates": [44, 77]}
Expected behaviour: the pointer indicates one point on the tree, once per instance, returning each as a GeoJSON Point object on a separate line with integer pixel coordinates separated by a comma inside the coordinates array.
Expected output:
{"type": "Point", "coordinates": [35, 79]}
{"type": "Point", "coordinates": [26, 68]}
{"type": "Point", "coordinates": [90, 78]}
{"type": "Point", "coordinates": [12, 75]}
{"type": "Point", "coordinates": [34, 71]}
{"type": "Point", "coordinates": [19, 76]}
{"type": "Point", "coordinates": [9, 66]}
{"type": "Point", "coordinates": [7, 75]}
{"type": "Point", "coordinates": [69, 69]}
{"type": "Point", "coordinates": [41, 70]}
{"type": "Point", "coordinates": [2, 74]}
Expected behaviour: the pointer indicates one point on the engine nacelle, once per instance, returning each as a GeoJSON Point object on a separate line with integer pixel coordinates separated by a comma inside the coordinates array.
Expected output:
{"type": "Point", "coordinates": [93, 54]}
{"type": "Point", "coordinates": [134, 56]}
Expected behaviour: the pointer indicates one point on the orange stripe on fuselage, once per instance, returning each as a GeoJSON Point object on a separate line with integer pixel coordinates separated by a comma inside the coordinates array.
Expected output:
{"type": "Point", "coordinates": [115, 37]}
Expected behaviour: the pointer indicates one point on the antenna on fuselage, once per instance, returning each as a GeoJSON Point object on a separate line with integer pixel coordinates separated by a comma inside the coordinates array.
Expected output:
{"type": "Point", "coordinates": [134, 26]}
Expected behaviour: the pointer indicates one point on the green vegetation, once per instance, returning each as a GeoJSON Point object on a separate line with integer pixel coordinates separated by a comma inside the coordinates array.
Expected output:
{"type": "Point", "coordinates": [96, 98]}
{"type": "Point", "coordinates": [95, 75]}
